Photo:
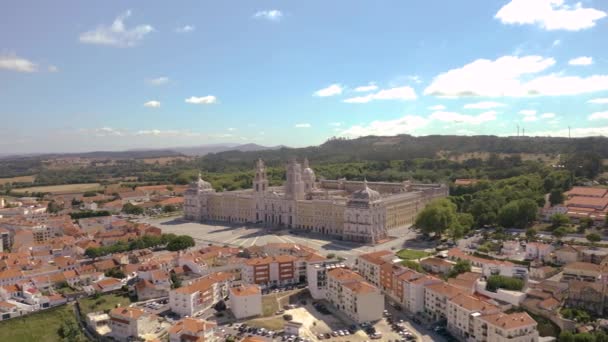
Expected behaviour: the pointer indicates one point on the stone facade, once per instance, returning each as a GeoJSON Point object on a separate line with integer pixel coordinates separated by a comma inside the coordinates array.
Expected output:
{"type": "Point", "coordinates": [348, 210]}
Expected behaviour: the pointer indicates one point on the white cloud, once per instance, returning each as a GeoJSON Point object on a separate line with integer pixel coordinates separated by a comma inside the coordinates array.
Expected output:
{"type": "Point", "coordinates": [464, 118]}
{"type": "Point", "coordinates": [399, 93]}
{"type": "Point", "coordinates": [483, 105]}
{"type": "Point", "coordinates": [557, 42]}
{"type": "Point", "coordinates": [370, 87]}
{"type": "Point", "coordinates": [209, 99]}
{"type": "Point", "coordinates": [231, 129]}
{"type": "Point", "coordinates": [549, 14]}
{"type": "Point", "coordinates": [547, 115]}
{"type": "Point", "coordinates": [53, 68]}
{"type": "Point", "coordinates": [598, 116]}
{"type": "Point", "coordinates": [166, 133]}
{"type": "Point", "coordinates": [583, 60]}
{"type": "Point", "coordinates": [158, 81]}
{"type": "Point", "coordinates": [528, 112]}
{"type": "Point", "coordinates": [332, 90]}
{"type": "Point", "coordinates": [272, 15]}
{"type": "Point", "coordinates": [405, 125]}
{"type": "Point", "coordinates": [415, 78]}
{"type": "Point", "coordinates": [530, 118]}
{"type": "Point", "coordinates": [116, 34]}
{"type": "Point", "coordinates": [152, 104]}
{"type": "Point", "coordinates": [103, 132]}
{"type": "Point", "coordinates": [599, 101]}
{"type": "Point", "coordinates": [303, 125]}
{"type": "Point", "coordinates": [437, 107]}
{"type": "Point", "coordinates": [510, 76]}
{"type": "Point", "coordinates": [185, 29]}
{"type": "Point", "coordinates": [15, 63]}
{"type": "Point", "coordinates": [335, 124]}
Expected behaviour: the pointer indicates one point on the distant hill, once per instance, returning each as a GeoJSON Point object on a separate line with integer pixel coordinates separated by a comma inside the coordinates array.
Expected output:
{"type": "Point", "coordinates": [217, 148]}
{"type": "Point", "coordinates": [378, 148]}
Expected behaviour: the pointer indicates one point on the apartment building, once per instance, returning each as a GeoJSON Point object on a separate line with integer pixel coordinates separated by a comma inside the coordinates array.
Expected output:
{"type": "Point", "coordinates": [129, 323]}
{"type": "Point", "coordinates": [538, 251]}
{"type": "Point", "coordinates": [246, 301]}
{"type": "Point", "coordinates": [501, 327]}
{"type": "Point", "coordinates": [200, 295]}
{"type": "Point", "coordinates": [316, 276]}
{"type": "Point", "coordinates": [270, 271]}
{"type": "Point", "coordinates": [582, 271]}
{"type": "Point", "coordinates": [192, 329]}
{"type": "Point", "coordinates": [351, 294]}
{"type": "Point", "coordinates": [436, 297]}
{"type": "Point", "coordinates": [369, 265]}
{"type": "Point", "coordinates": [463, 310]}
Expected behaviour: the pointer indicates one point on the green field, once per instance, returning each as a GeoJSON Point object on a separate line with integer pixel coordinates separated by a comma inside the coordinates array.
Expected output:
{"type": "Point", "coordinates": [40, 327]}
{"type": "Point", "coordinates": [412, 254]}
{"type": "Point", "coordinates": [59, 189]}
{"type": "Point", "coordinates": [103, 303]}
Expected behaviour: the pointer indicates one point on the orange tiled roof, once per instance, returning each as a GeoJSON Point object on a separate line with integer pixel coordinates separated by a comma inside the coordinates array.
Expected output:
{"type": "Point", "coordinates": [509, 321]}
{"type": "Point", "coordinates": [245, 290]}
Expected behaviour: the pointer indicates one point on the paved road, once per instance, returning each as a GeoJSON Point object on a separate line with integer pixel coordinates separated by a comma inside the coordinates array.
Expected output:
{"type": "Point", "coordinates": [249, 235]}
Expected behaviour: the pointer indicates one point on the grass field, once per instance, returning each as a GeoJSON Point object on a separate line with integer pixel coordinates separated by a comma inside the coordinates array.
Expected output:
{"type": "Point", "coordinates": [103, 303]}
{"type": "Point", "coordinates": [19, 179]}
{"type": "Point", "coordinates": [58, 189]}
{"type": "Point", "coordinates": [412, 254]}
{"type": "Point", "coordinates": [272, 323]}
{"type": "Point", "coordinates": [40, 327]}
{"type": "Point", "coordinates": [270, 305]}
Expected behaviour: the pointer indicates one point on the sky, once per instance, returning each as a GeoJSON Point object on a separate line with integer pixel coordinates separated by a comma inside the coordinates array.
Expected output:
{"type": "Point", "coordinates": [113, 75]}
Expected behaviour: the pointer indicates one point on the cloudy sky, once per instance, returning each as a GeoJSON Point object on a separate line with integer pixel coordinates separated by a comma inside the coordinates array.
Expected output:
{"type": "Point", "coordinates": [77, 76]}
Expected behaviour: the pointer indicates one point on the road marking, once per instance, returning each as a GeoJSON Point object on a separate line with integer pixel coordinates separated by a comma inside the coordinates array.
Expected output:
{"type": "Point", "coordinates": [254, 240]}
{"type": "Point", "coordinates": [232, 239]}
{"type": "Point", "coordinates": [243, 242]}
{"type": "Point", "coordinates": [281, 239]}
{"type": "Point", "coordinates": [288, 239]}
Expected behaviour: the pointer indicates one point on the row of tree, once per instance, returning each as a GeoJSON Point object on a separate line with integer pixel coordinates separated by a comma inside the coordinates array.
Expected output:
{"type": "Point", "coordinates": [170, 242]}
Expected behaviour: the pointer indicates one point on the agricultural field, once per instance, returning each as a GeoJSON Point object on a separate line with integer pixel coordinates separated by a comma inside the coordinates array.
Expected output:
{"type": "Point", "coordinates": [19, 179]}
{"type": "Point", "coordinates": [40, 327]}
{"type": "Point", "coordinates": [59, 189]}
{"type": "Point", "coordinates": [165, 160]}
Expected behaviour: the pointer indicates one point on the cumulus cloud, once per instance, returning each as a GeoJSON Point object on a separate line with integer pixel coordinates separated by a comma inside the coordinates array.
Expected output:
{"type": "Point", "coordinates": [370, 87]}
{"type": "Point", "coordinates": [185, 29]}
{"type": "Point", "coordinates": [158, 81]}
{"type": "Point", "coordinates": [530, 118]}
{"type": "Point", "coordinates": [15, 63]}
{"type": "Point", "coordinates": [514, 77]}
{"type": "Point", "coordinates": [527, 112]}
{"type": "Point", "coordinates": [598, 116]}
{"type": "Point", "coordinates": [53, 68]}
{"type": "Point", "coordinates": [547, 115]}
{"type": "Point", "coordinates": [335, 124]}
{"type": "Point", "coordinates": [272, 15]}
{"type": "Point", "coordinates": [116, 34]}
{"type": "Point", "coordinates": [103, 132]}
{"type": "Point", "coordinates": [332, 90]}
{"type": "Point", "coordinates": [405, 125]}
{"type": "Point", "coordinates": [303, 125]}
{"type": "Point", "coordinates": [599, 101]}
{"type": "Point", "coordinates": [549, 14]}
{"type": "Point", "coordinates": [398, 93]}
{"type": "Point", "coordinates": [437, 107]}
{"type": "Point", "coordinates": [583, 60]}
{"type": "Point", "coordinates": [464, 118]}
{"type": "Point", "coordinates": [165, 133]}
{"type": "Point", "coordinates": [152, 104]}
{"type": "Point", "coordinates": [483, 105]}
{"type": "Point", "coordinates": [574, 132]}
{"type": "Point", "coordinates": [209, 99]}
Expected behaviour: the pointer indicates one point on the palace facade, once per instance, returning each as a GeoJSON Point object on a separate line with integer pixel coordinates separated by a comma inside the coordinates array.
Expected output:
{"type": "Point", "coordinates": [348, 210]}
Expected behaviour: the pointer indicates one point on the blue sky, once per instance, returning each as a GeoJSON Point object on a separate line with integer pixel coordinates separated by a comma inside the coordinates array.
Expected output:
{"type": "Point", "coordinates": [108, 75]}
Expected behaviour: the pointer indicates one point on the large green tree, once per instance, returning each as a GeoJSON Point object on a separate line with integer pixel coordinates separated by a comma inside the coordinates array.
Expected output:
{"type": "Point", "coordinates": [518, 213]}
{"type": "Point", "coordinates": [437, 217]}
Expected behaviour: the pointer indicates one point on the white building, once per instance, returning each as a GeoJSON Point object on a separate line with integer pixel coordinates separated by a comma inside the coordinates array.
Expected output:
{"type": "Point", "coordinates": [246, 301]}
{"type": "Point", "coordinates": [355, 211]}
{"type": "Point", "coordinates": [200, 295]}
{"type": "Point", "coordinates": [354, 296]}
{"type": "Point", "coordinates": [538, 251]}
{"type": "Point", "coordinates": [316, 277]}
{"type": "Point", "coordinates": [130, 323]}
{"type": "Point", "coordinates": [276, 270]}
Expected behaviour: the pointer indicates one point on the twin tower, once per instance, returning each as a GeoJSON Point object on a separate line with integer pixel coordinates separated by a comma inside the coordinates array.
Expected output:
{"type": "Point", "coordinates": [300, 179]}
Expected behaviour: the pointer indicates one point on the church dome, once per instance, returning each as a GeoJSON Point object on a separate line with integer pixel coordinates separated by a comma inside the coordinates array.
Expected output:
{"type": "Point", "coordinates": [366, 194]}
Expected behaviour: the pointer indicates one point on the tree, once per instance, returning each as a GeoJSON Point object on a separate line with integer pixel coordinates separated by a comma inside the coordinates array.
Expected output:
{"type": "Point", "coordinates": [54, 207]}
{"type": "Point", "coordinates": [180, 242]}
{"type": "Point", "coordinates": [518, 213]}
{"type": "Point", "coordinates": [586, 223]}
{"type": "Point", "coordinates": [169, 208]}
{"type": "Point", "coordinates": [531, 234]}
{"type": "Point", "coordinates": [69, 332]}
{"type": "Point", "coordinates": [594, 238]}
{"type": "Point", "coordinates": [132, 209]}
{"type": "Point", "coordinates": [115, 273]}
{"type": "Point", "coordinates": [559, 220]}
{"type": "Point", "coordinates": [559, 232]}
{"type": "Point", "coordinates": [566, 336]}
{"type": "Point", "coordinates": [176, 282]}
{"type": "Point", "coordinates": [460, 267]}
{"type": "Point", "coordinates": [437, 217]}
{"type": "Point", "coordinates": [331, 255]}
{"type": "Point", "coordinates": [556, 197]}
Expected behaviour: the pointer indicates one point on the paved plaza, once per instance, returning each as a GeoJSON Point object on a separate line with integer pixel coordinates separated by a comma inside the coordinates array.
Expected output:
{"type": "Point", "coordinates": [250, 235]}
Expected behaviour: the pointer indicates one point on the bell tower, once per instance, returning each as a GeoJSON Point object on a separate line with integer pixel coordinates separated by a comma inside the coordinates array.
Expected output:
{"type": "Point", "coordinates": [260, 181]}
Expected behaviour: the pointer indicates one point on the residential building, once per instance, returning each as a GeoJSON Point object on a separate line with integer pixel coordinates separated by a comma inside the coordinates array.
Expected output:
{"type": "Point", "coordinates": [192, 329]}
{"type": "Point", "coordinates": [538, 251]}
{"type": "Point", "coordinates": [502, 327]}
{"type": "Point", "coordinates": [270, 271]}
{"type": "Point", "coordinates": [582, 271]}
{"type": "Point", "coordinates": [128, 323]}
{"type": "Point", "coordinates": [246, 301]}
{"type": "Point", "coordinates": [369, 265]}
{"type": "Point", "coordinates": [351, 294]}
{"type": "Point", "coordinates": [199, 295]}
